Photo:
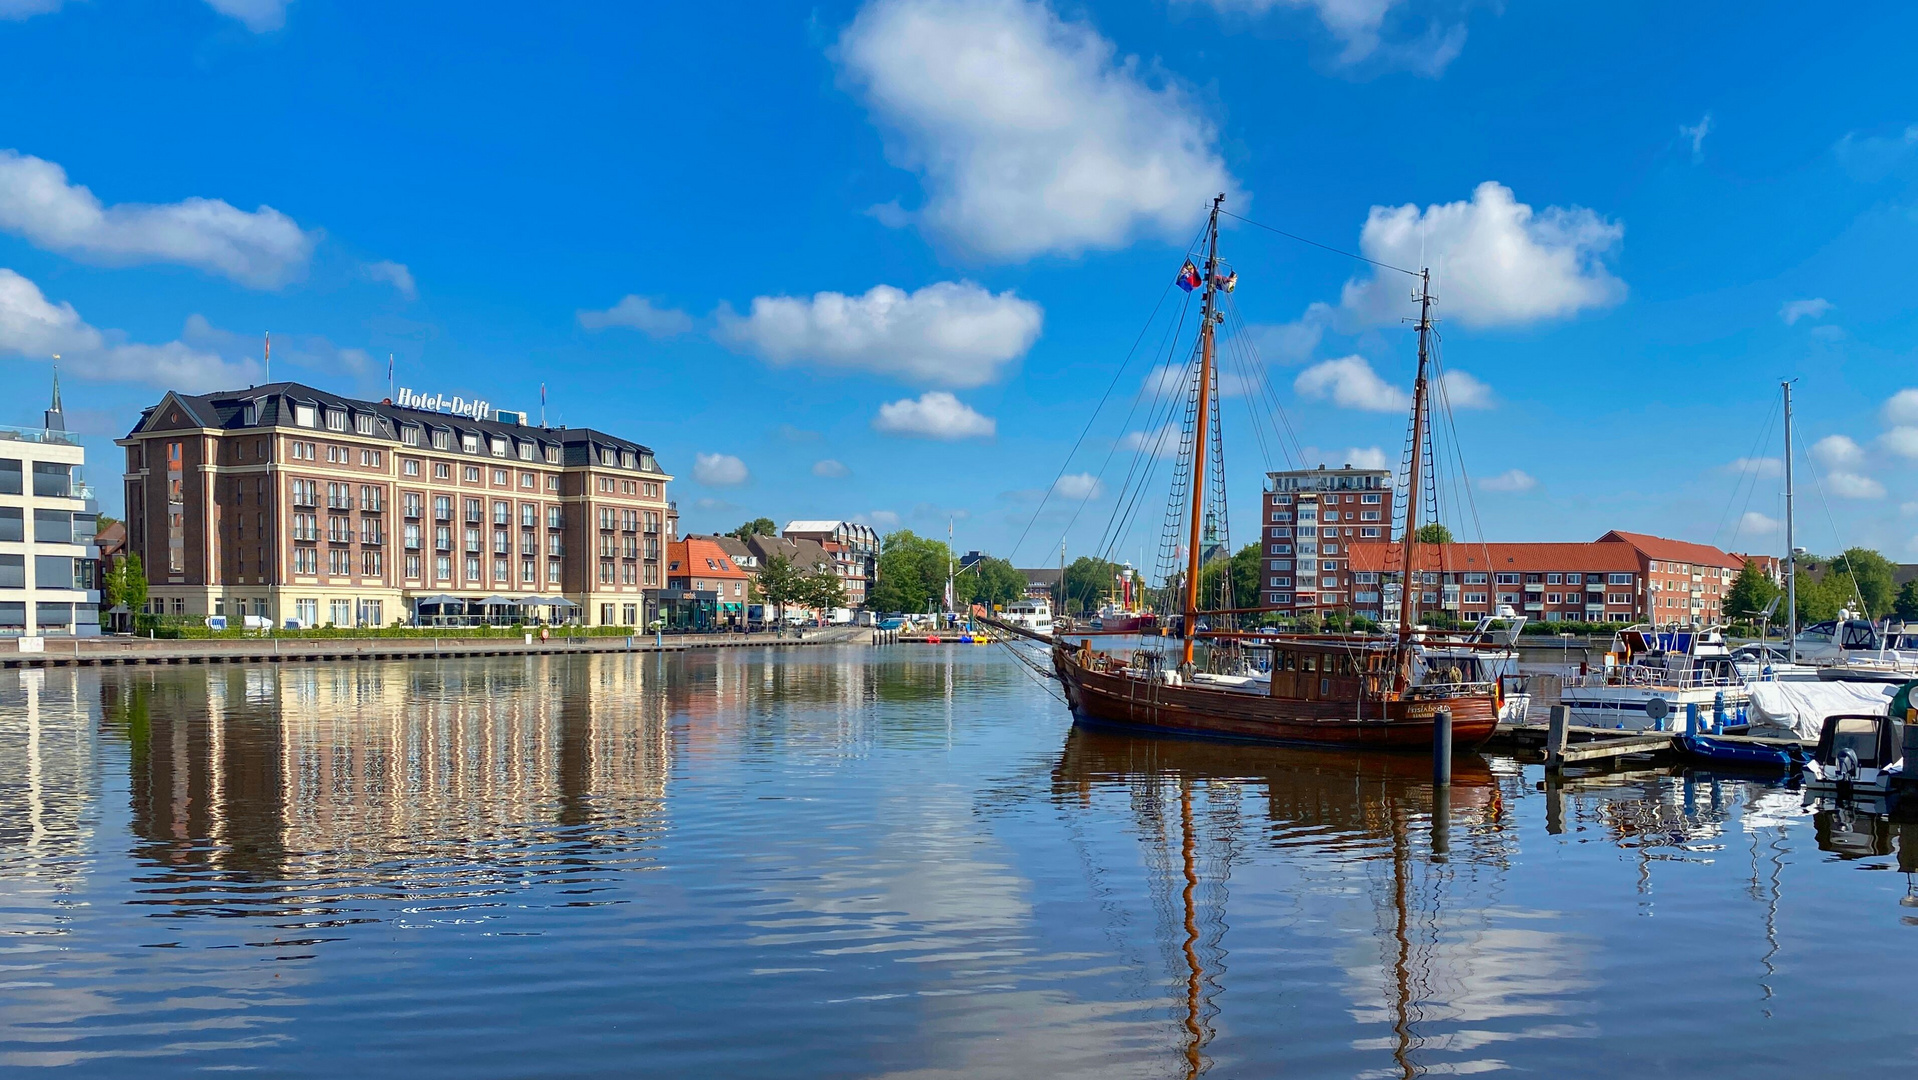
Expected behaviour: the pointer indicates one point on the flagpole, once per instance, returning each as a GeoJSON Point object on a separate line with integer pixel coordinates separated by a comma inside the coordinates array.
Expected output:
{"type": "Point", "coordinates": [269, 356]}
{"type": "Point", "coordinates": [390, 392]}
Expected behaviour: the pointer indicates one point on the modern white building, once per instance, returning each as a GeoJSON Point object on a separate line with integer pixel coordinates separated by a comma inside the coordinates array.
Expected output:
{"type": "Point", "coordinates": [48, 520]}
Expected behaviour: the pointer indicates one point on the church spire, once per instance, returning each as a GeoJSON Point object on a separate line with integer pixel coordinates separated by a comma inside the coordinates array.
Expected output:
{"type": "Point", "coordinates": [56, 417]}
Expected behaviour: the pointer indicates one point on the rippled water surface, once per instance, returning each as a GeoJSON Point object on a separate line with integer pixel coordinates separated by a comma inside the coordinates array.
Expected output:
{"type": "Point", "coordinates": [852, 862]}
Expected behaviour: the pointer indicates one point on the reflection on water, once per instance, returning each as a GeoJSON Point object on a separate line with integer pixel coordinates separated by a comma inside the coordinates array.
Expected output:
{"type": "Point", "coordinates": [881, 862]}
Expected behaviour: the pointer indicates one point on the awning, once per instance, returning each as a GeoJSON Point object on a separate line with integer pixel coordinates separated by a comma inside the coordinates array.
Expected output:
{"type": "Point", "coordinates": [561, 601]}
{"type": "Point", "coordinates": [440, 600]}
{"type": "Point", "coordinates": [499, 601]}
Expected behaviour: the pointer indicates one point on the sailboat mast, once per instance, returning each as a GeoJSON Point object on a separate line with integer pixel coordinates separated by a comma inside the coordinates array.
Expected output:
{"type": "Point", "coordinates": [1199, 437]}
{"type": "Point", "coordinates": [1791, 550]}
{"type": "Point", "coordinates": [1407, 579]}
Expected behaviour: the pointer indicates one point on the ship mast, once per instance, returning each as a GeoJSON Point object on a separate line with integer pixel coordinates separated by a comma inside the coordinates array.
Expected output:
{"type": "Point", "coordinates": [1791, 552]}
{"type": "Point", "coordinates": [1199, 438]}
{"type": "Point", "coordinates": [1407, 578]}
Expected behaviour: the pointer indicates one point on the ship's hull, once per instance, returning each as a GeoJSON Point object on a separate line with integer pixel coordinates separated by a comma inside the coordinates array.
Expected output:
{"type": "Point", "coordinates": [1119, 701]}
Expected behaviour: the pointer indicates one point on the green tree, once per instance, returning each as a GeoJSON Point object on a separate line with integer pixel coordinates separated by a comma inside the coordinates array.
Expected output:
{"type": "Point", "coordinates": [1906, 606]}
{"type": "Point", "coordinates": [126, 584]}
{"type": "Point", "coordinates": [1820, 597]}
{"type": "Point", "coordinates": [992, 581]}
{"type": "Point", "coordinates": [1088, 581]}
{"type": "Point", "coordinates": [1871, 574]}
{"type": "Point", "coordinates": [912, 572]}
{"type": "Point", "coordinates": [755, 527]}
{"type": "Point", "coordinates": [1749, 594]}
{"type": "Point", "coordinates": [1434, 534]}
{"type": "Point", "coordinates": [780, 583]}
{"type": "Point", "coordinates": [822, 591]}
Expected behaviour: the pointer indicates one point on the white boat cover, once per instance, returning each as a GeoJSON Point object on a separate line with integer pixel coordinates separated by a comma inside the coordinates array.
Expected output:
{"type": "Point", "coordinates": [1798, 709]}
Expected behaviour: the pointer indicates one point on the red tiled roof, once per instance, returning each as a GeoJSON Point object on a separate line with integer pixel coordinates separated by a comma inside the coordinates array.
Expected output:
{"type": "Point", "coordinates": [700, 556]}
{"type": "Point", "coordinates": [1657, 547]}
{"type": "Point", "coordinates": [1605, 557]}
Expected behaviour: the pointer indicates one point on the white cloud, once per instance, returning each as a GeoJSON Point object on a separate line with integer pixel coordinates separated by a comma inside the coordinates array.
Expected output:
{"type": "Point", "coordinates": [394, 274]}
{"type": "Point", "coordinates": [1901, 407]}
{"type": "Point", "coordinates": [1696, 133]}
{"type": "Point", "coordinates": [310, 351]}
{"type": "Point", "coordinates": [946, 334]}
{"type": "Point", "coordinates": [1177, 379]}
{"type": "Point", "coordinates": [1350, 383]}
{"type": "Point", "coordinates": [262, 249]}
{"type": "Point", "coordinates": [1293, 342]}
{"type": "Point", "coordinates": [1875, 157]}
{"type": "Point", "coordinates": [1496, 261]}
{"type": "Point", "coordinates": [1759, 466]}
{"type": "Point", "coordinates": [1849, 485]}
{"type": "Point", "coordinates": [935, 414]}
{"type": "Point", "coordinates": [884, 519]}
{"type": "Point", "coordinates": [830, 468]}
{"type": "Point", "coordinates": [1465, 391]}
{"type": "Point", "coordinates": [26, 9]}
{"type": "Point", "coordinates": [1756, 524]}
{"type": "Point", "coordinates": [1357, 457]}
{"type": "Point", "coordinates": [1902, 441]}
{"type": "Point", "coordinates": [258, 15]}
{"type": "Point", "coordinates": [719, 470]}
{"type": "Point", "coordinates": [1358, 26]}
{"type": "Point", "coordinates": [1794, 310]}
{"type": "Point", "coordinates": [1162, 442]}
{"type": "Point", "coordinates": [639, 313]}
{"type": "Point", "coordinates": [1029, 134]}
{"type": "Point", "coordinates": [1078, 486]}
{"type": "Point", "coordinates": [1837, 452]}
{"type": "Point", "coordinates": [1514, 480]}
{"type": "Point", "coordinates": [33, 327]}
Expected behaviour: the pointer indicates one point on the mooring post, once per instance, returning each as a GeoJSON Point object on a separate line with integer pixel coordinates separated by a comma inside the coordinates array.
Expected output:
{"type": "Point", "coordinates": [1718, 713]}
{"type": "Point", "coordinates": [1691, 718]}
{"type": "Point", "coordinates": [1555, 735]}
{"type": "Point", "coordinates": [1442, 748]}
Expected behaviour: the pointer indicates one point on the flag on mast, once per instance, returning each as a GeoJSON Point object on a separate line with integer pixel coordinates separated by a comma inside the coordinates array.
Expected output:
{"type": "Point", "coordinates": [1188, 276]}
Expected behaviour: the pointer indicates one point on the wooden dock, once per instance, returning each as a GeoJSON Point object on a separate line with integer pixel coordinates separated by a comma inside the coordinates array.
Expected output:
{"type": "Point", "coordinates": [1589, 746]}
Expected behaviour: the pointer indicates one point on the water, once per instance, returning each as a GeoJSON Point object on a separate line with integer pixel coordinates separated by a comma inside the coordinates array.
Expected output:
{"type": "Point", "coordinates": [900, 862]}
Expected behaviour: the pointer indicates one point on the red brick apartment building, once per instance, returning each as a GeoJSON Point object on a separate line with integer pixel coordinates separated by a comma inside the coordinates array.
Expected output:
{"type": "Point", "coordinates": [294, 503]}
{"type": "Point", "coordinates": [704, 564]}
{"type": "Point", "coordinates": [1620, 577]}
{"type": "Point", "coordinates": [1312, 518]}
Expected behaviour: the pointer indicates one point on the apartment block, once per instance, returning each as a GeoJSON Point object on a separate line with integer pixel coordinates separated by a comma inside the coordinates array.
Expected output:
{"type": "Point", "coordinates": [1310, 521]}
{"type": "Point", "coordinates": [48, 521]}
{"type": "Point", "coordinates": [294, 503]}
{"type": "Point", "coordinates": [854, 549]}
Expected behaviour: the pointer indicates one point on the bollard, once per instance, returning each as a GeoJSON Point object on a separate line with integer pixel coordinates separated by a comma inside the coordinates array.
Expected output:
{"type": "Point", "coordinates": [1442, 747]}
{"type": "Point", "coordinates": [1718, 713]}
{"type": "Point", "coordinates": [1555, 735]}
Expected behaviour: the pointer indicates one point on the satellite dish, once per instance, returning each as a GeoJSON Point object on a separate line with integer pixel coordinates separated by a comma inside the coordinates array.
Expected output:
{"type": "Point", "coordinates": [1658, 708]}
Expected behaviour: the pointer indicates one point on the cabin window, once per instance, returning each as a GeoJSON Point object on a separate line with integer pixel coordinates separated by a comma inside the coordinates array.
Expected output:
{"type": "Point", "coordinates": [1311, 663]}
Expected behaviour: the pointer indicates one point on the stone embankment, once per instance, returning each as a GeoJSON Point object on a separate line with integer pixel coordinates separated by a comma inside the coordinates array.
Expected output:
{"type": "Point", "coordinates": [122, 651]}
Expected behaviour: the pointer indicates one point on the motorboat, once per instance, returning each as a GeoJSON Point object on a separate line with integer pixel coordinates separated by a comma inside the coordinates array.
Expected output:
{"type": "Point", "coordinates": [1859, 756]}
{"type": "Point", "coordinates": [1683, 669]}
{"type": "Point", "coordinates": [1034, 614]}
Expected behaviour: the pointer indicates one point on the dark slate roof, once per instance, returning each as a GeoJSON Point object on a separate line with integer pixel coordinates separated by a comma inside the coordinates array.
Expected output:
{"type": "Point", "coordinates": [273, 407]}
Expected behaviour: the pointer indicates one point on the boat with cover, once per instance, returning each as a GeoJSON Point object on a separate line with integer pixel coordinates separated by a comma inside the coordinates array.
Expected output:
{"type": "Point", "coordinates": [1682, 668]}
{"type": "Point", "coordinates": [1331, 690]}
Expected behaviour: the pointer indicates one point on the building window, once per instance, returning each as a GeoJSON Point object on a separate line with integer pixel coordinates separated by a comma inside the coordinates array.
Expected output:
{"type": "Point", "coordinates": [552, 455]}
{"type": "Point", "coordinates": [500, 478]}
{"type": "Point", "coordinates": [1571, 579]}
{"type": "Point", "coordinates": [409, 434]}
{"type": "Point", "coordinates": [1507, 579]}
{"type": "Point", "coordinates": [497, 446]}
{"type": "Point", "coordinates": [443, 567]}
{"type": "Point", "coordinates": [470, 474]}
{"type": "Point", "coordinates": [413, 567]}
{"type": "Point", "coordinates": [363, 424]}
{"type": "Point", "coordinates": [410, 467]}
{"type": "Point", "coordinates": [441, 439]}
{"type": "Point", "coordinates": [469, 442]}
{"type": "Point", "coordinates": [336, 420]}
{"type": "Point", "coordinates": [553, 569]}
{"type": "Point", "coordinates": [528, 572]}
{"type": "Point", "coordinates": [370, 563]}
{"type": "Point", "coordinates": [1618, 579]}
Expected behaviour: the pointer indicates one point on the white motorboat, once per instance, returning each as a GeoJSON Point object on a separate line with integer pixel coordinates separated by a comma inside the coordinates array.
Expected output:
{"type": "Point", "coordinates": [1860, 756]}
{"type": "Point", "coordinates": [1681, 668]}
{"type": "Point", "coordinates": [1034, 614]}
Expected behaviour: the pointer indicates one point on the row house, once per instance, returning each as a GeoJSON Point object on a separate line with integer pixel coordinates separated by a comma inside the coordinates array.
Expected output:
{"type": "Point", "coordinates": [1685, 584]}
{"type": "Point", "coordinates": [1311, 520]}
{"type": "Point", "coordinates": [1599, 582]}
{"type": "Point", "coordinates": [702, 566]}
{"type": "Point", "coordinates": [296, 504]}
{"type": "Point", "coordinates": [854, 549]}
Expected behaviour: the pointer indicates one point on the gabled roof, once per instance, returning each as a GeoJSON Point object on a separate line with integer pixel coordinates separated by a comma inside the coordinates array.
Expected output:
{"type": "Point", "coordinates": [805, 554]}
{"type": "Point", "coordinates": [1657, 547]}
{"type": "Point", "coordinates": [1603, 557]}
{"type": "Point", "coordinates": [702, 556]}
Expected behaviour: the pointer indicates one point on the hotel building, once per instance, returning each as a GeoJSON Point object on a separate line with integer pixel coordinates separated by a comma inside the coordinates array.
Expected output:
{"type": "Point", "coordinates": [1312, 518]}
{"type": "Point", "coordinates": [48, 518]}
{"type": "Point", "coordinates": [297, 504]}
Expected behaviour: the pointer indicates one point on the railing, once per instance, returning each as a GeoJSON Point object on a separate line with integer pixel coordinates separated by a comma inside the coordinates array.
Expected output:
{"type": "Point", "coordinates": [1633, 675]}
{"type": "Point", "coordinates": [12, 433]}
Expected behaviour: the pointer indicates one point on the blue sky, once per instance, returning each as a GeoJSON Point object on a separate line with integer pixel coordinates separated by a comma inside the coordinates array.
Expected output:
{"type": "Point", "coordinates": [885, 258]}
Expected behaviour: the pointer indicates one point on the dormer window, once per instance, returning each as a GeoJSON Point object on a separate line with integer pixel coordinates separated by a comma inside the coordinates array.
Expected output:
{"type": "Point", "coordinates": [441, 439]}
{"type": "Point", "coordinates": [469, 442]}
{"type": "Point", "coordinates": [527, 451]}
{"type": "Point", "coordinates": [336, 419]}
{"type": "Point", "coordinates": [498, 446]}
{"type": "Point", "coordinates": [626, 459]}
{"type": "Point", "coordinates": [363, 424]}
{"type": "Point", "coordinates": [607, 458]}
{"type": "Point", "coordinates": [410, 435]}
{"type": "Point", "coordinates": [552, 455]}
{"type": "Point", "coordinates": [306, 416]}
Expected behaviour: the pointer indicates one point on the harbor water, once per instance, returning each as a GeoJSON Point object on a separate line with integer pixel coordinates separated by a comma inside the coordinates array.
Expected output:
{"type": "Point", "coordinates": [899, 862]}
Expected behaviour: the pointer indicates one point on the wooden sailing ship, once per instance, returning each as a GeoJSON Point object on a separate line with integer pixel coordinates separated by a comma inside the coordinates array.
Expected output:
{"type": "Point", "coordinates": [1353, 691]}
